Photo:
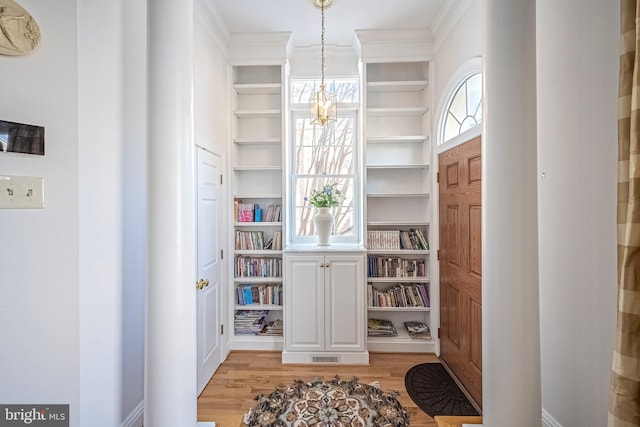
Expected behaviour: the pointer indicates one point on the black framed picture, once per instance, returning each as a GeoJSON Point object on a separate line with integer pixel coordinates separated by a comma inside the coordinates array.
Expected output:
{"type": "Point", "coordinates": [21, 138]}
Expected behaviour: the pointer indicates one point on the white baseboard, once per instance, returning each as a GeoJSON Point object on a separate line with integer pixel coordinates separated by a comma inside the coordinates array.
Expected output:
{"type": "Point", "coordinates": [206, 424]}
{"type": "Point", "coordinates": [135, 418]}
{"type": "Point", "coordinates": [548, 420]}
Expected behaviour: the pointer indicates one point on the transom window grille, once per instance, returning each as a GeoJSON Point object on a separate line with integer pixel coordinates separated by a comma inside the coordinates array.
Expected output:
{"type": "Point", "coordinates": [321, 155]}
{"type": "Point", "coordinates": [465, 109]}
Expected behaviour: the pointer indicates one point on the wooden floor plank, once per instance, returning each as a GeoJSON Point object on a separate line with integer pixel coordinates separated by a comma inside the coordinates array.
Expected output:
{"type": "Point", "coordinates": [245, 374]}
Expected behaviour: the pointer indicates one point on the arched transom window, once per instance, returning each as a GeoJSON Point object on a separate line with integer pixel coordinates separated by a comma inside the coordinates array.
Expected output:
{"type": "Point", "coordinates": [465, 109]}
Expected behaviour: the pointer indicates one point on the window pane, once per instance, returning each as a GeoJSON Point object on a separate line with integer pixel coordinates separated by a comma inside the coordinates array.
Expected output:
{"type": "Point", "coordinates": [346, 90]}
{"type": "Point", "coordinates": [304, 212]}
{"type": "Point", "coordinates": [474, 93]}
{"type": "Point", "coordinates": [465, 109]}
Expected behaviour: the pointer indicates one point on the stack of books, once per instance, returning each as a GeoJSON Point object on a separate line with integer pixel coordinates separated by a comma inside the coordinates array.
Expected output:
{"type": "Point", "coordinates": [381, 328]}
{"type": "Point", "coordinates": [272, 328]}
{"type": "Point", "coordinates": [249, 322]}
{"type": "Point", "coordinates": [418, 330]}
{"type": "Point", "coordinates": [269, 294]}
{"type": "Point", "coordinates": [400, 295]}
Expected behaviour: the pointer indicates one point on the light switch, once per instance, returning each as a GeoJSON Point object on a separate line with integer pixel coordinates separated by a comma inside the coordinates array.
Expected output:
{"type": "Point", "coordinates": [21, 192]}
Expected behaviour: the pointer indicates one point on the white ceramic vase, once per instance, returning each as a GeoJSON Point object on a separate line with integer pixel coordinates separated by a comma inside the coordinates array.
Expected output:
{"type": "Point", "coordinates": [323, 221]}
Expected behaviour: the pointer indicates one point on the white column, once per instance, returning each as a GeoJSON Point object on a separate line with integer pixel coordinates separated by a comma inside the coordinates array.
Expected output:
{"type": "Point", "coordinates": [510, 316]}
{"type": "Point", "coordinates": [170, 372]}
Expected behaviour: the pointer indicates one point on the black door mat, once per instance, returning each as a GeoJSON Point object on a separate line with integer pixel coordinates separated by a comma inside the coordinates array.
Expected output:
{"type": "Point", "coordinates": [435, 392]}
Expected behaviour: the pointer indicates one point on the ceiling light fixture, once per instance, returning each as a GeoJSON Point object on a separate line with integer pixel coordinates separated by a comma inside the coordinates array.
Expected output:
{"type": "Point", "coordinates": [323, 105]}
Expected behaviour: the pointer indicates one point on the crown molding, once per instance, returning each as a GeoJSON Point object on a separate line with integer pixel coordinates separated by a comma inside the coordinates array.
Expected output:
{"type": "Point", "coordinates": [394, 45]}
{"type": "Point", "coordinates": [260, 48]}
{"type": "Point", "coordinates": [211, 17]}
{"type": "Point", "coordinates": [446, 19]}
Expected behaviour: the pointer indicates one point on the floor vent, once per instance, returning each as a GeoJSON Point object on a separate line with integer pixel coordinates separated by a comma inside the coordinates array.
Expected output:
{"type": "Point", "coordinates": [325, 359]}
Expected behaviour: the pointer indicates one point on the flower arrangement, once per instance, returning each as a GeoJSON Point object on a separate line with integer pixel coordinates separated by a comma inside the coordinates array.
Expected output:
{"type": "Point", "coordinates": [327, 196]}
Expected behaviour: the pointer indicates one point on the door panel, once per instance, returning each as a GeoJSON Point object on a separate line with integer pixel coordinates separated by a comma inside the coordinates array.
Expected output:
{"type": "Point", "coordinates": [209, 266]}
{"type": "Point", "coordinates": [345, 308]}
{"type": "Point", "coordinates": [461, 264]}
{"type": "Point", "coordinates": [304, 322]}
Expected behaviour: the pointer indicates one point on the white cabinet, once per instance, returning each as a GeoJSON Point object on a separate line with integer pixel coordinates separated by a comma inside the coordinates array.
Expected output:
{"type": "Point", "coordinates": [324, 308]}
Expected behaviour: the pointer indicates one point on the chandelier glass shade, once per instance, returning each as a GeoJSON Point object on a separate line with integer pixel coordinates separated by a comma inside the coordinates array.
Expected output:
{"type": "Point", "coordinates": [323, 104]}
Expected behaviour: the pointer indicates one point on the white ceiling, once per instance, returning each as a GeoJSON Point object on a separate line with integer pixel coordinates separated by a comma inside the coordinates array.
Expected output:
{"type": "Point", "coordinates": [303, 19]}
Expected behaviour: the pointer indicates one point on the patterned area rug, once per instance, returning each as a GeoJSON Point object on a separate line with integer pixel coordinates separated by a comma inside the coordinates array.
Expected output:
{"type": "Point", "coordinates": [334, 403]}
{"type": "Point", "coordinates": [431, 387]}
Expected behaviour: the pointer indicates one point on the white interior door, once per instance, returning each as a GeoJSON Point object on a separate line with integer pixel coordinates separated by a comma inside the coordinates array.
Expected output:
{"type": "Point", "coordinates": [209, 266]}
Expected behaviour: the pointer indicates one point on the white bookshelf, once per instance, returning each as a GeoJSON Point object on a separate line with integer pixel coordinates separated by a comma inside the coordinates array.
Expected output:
{"type": "Point", "coordinates": [398, 182]}
{"type": "Point", "coordinates": [256, 163]}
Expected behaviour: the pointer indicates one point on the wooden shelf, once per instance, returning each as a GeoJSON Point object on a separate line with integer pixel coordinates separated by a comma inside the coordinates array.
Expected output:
{"type": "Point", "coordinates": [397, 139]}
{"type": "Point", "coordinates": [257, 196]}
{"type": "Point", "coordinates": [257, 141]}
{"type": "Point", "coordinates": [265, 252]}
{"type": "Point", "coordinates": [398, 280]}
{"type": "Point", "coordinates": [258, 224]}
{"type": "Point", "coordinates": [398, 223]}
{"type": "Point", "coordinates": [257, 168]}
{"type": "Point", "coordinates": [398, 86]}
{"type": "Point", "coordinates": [404, 166]}
{"type": "Point", "coordinates": [396, 111]}
{"type": "Point", "coordinates": [250, 280]}
{"type": "Point", "coordinates": [258, 307]}
{"type": "Point", "coordinates": [399, 309]}
{"type": "Point", "coordinates": [391, 195]}
{"type": "Point", "coordinates": [257, 88]}
{"type": "Point", "coordinates": [257, 114]}
{"type": "Point", "coordinates": [396, 252]}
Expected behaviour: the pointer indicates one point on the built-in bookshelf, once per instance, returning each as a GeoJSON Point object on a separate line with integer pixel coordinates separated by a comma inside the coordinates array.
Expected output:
{"type": "Point", "coordinates": [397, 167]}
{"type": "Point", "coordinates": [257, 190]}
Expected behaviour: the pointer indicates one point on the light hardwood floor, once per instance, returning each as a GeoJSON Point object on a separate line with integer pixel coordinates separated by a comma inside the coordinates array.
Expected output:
{"type": "Point", "coordinates": [245, 374]}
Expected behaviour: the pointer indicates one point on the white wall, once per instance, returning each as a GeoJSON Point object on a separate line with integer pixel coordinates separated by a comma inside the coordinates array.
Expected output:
{"type": "Point", "coordinates": [577, 63]}
{"type": "Point", "coordinates": [134, 210]}
{"type": "Point", "coordinates": [39, 266]}
{"type": "Point", "coordinates": [211, 97]}
{"type": "Point", "coordinates": [461, 44]}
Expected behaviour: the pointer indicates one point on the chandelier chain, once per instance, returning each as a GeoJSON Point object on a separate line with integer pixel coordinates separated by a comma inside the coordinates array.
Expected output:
{"type": "Point", "coordinates": [322, 45]}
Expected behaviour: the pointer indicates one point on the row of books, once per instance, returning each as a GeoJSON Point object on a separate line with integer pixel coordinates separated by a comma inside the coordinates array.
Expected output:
{"type": "Point", "coordinates": [396, 240]}
{"type": "Point", "coordinates": [400, 295]}
{"type": "Point", "coordinates": [245, 266]}
{"type": "Point", "coordinates": [396, 267]}
{"type": "Point", "coordinates": [386, 328]}
{"type": "Point", "coordinates": [250, 212]}
{"type": "Point", "coordinates": [254, 240]}
{"type": "Point", "coordinates": [270, 294]}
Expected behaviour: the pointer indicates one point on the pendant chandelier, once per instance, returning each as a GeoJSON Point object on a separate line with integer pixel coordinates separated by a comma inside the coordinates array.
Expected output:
{"type": "Point", "coordinates": [323, 104]}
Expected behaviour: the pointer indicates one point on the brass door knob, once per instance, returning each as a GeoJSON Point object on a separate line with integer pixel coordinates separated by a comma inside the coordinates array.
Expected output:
{"type": "Point", "coordinates": [206, 283]}
{"type": "Point", "coordinates": [200, 284]}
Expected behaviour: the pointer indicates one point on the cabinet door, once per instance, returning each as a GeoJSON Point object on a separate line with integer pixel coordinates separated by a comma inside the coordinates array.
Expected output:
{"type": "Point", "coordinates": [304, 303]}
{"type": "Point", "coordinates": [344, 307]}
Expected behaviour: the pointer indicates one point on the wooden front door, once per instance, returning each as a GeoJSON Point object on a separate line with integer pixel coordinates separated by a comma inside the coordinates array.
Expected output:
{"type": "Point", "coordinates": [461, 264]}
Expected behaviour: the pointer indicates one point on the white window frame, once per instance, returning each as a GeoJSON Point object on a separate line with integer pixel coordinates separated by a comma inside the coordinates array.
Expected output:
{"type": "Point", "coordinates": [344, 110]}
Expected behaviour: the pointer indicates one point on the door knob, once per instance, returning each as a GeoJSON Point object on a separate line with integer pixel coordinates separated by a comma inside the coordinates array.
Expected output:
{"type": "Point", "coordinates": [206, 283]}
{"type": "Point", "coordinates": [200, 284]}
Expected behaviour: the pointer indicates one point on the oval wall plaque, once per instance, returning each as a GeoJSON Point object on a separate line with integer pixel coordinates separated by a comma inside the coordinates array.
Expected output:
{"type": "Point", "coordinates": [19, 32]}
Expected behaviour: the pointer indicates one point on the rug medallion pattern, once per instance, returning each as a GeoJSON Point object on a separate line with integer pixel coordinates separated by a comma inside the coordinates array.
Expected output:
{"type": "Point", "coordinates": [333, 403]}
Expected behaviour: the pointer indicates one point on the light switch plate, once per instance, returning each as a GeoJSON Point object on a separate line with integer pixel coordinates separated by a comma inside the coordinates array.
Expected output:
{"type": "Point", "coordinates": [21, 192]}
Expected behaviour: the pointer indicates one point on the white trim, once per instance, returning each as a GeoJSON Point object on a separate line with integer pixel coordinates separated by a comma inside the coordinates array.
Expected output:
{"type": "Point", "coordinates": [548, 420]}
{"type": "Point", "coordinates": [210, 16]}
{"type": "Point", "coordinates": [465, 136]}
{"type": "Point", "coordinates": [135, 417]}
{"type": "Point", "coordinates": [446, 19]}
{"type": "Point", "coordinates": [466, 70]}
{"type": "Point", "coordinates": [206, 424]}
